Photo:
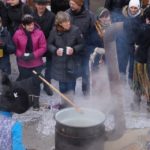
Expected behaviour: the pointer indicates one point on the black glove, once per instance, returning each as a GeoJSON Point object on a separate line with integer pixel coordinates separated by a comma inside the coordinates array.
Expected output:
{"type": "Point", "coordinates": [28, 57]}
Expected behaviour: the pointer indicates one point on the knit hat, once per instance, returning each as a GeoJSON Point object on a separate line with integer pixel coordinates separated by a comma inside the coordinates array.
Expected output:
{"type": "Point", "coordinates": [101, 11]}
{"type": "Point", "coordinates": [27, 19]}
{"type": "Point", "coordinates": [135, 3]}
{"type": "Point", "coordinates": [78, 2]}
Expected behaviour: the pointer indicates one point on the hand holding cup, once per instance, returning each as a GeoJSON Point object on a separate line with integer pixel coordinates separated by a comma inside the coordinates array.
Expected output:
{"type": "Point", "coordinates": [60, 51]}
{"type": "Point", "coordinates": [69, 50]}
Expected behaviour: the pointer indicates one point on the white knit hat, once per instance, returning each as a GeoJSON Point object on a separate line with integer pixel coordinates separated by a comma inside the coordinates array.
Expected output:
{"type": "Point", "coordinates": [135, 3]}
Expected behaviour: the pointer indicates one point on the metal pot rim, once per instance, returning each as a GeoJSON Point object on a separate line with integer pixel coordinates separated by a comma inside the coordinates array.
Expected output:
{"type": "Point", "coordinates": [93, 115]}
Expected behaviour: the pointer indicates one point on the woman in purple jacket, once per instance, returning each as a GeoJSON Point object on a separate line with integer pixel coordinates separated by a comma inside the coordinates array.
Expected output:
{"type": "Point", "coordinates": [30, 46]}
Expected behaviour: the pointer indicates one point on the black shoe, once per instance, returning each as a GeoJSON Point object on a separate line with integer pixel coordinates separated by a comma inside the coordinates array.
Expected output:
{"type": "Point", "coordinates": [48, 90]}
{"type": "Point", "coordinates": [85, 93]}
{"type": "Point", "coordinates": [36, 108]}
{"type": "Point", "coordinates": [148, 106]}
{"type": "Point", "coordinates": [36, 105]}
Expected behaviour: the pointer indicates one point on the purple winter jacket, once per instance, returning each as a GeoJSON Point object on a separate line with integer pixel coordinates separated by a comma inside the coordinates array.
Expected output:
{"type": "Point", "coordinates": [39, 47]}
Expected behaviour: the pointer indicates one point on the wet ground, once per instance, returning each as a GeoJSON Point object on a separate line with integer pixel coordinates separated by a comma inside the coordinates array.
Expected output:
{"type": "Point", "coordinates": [39, 126]}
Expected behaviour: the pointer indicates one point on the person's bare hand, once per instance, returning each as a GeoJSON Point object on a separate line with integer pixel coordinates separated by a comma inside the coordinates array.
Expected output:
{"type": "Point", "coordinates": [59, 52]}
{"type": "Point", "coordinates": [69, 50]}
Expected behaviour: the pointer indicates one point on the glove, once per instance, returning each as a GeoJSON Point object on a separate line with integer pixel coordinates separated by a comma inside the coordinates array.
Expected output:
{"type": "Point", "coordinates": [97, 50]}
{"type": "Point", "coordinates": [100, 51]}
{"type": "Point", "coordinates": [28, 56]}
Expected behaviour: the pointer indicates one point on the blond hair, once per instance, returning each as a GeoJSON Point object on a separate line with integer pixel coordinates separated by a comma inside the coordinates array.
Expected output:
{"type": "Point", "coordinates": [61, 17]}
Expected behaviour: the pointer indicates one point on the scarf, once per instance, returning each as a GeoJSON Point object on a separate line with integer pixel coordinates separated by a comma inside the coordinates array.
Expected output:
{"type": "Point", "coordinates": [133, 16]}
{"type": "Point", "coordinates": [29, 45]}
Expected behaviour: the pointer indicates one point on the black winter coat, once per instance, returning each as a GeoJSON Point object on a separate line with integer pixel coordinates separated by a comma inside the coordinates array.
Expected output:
{"type": "Point", "coordinates": [72, 38]}
{"type": "Point", "coordinates": [8, 48]}
{"type": "Point", "coordinates": [143, 41]}
{"type": "Point", "coordinates": [14, 16]}
{"type": "Point", "coordinates": [3, 13]}
{"type": "Point", "coordinates": [46, 21]}
{"type": "Point", "coordinates": [84, 20]}
{"type": "Point", "coordinates": [115, 5]}
{"type": "Point", "coordinates": [59, 5]}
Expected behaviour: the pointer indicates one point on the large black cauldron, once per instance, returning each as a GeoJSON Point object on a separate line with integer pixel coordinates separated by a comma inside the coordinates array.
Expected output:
{"type": "Point", "coordinates": [79, 131]}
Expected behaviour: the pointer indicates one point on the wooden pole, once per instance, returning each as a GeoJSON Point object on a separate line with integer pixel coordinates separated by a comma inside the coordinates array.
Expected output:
{"type": "Point", "coordinates": [58, 92]}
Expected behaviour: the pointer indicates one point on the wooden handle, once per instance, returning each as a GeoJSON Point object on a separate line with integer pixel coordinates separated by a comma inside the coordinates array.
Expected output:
{"type": "Point", "coordinates": [58, 92]}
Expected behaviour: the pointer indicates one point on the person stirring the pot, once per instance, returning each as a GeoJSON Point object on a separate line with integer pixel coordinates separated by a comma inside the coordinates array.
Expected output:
{"type": "Point", "coordinates": [64, 43]}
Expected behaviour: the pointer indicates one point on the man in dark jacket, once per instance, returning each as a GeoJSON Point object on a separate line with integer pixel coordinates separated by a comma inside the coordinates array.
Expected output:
{"type": "Point", "coordinates": [3, 13]}
{"type": "Point", "coordinates": [15, 10]}
{"type": "Point", "coordinates": [45, 19]}
{"type": "Point", "coordinates": [7, 47]}
{"type": "Point", "coordinates": [115, 7]}
{"type": "Point", "coordinates": [84, 19]}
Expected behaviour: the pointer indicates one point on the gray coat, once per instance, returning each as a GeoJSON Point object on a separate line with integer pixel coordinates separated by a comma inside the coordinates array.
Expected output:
{"type": "Point", "coordinates": [72, 38]}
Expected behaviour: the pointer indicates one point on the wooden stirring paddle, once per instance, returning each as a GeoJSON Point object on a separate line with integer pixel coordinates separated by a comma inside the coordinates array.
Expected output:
{"type": "Point", "coordinates": [57, 91]}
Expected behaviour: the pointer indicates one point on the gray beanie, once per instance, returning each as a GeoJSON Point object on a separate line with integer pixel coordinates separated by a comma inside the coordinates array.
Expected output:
{"type": "Point", "coordinates": [100, 11]}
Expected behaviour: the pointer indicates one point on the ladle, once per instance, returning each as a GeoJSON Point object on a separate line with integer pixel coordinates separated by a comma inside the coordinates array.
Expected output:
{"type": "Point", "coordinates": [77, 108]}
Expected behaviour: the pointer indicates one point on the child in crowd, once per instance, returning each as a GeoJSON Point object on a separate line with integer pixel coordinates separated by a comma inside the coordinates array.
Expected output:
{"type": "Point", "coordinates": [6, 48]}
{"type": "Point", "coordinates": [12, 100]}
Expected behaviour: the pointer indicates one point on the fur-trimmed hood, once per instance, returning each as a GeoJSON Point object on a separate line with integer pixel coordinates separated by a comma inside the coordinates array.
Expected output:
{"type": "Point", "coordinates": [126, 14]}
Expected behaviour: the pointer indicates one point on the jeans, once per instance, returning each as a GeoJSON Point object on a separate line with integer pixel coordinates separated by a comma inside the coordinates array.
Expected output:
{"type": "Point", "coordinates": [85, 74]}
{"type": "Point", "coordinates": [48, 70]}
{"type": "Point", "coordinates": [125, 53]}
{"type": "Point", "coordinates": [65, 87]}
{"type": "Point", "coordinates": [131, 64]}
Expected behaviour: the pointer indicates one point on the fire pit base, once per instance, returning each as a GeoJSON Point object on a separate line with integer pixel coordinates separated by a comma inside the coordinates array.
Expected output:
{"type": "Point", "coordinates": [64, 142]}
{"type": "Point", "coordinates": [79, 131]}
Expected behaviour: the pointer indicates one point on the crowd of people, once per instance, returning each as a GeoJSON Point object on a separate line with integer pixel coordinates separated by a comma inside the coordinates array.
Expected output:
{"type": "Point", "coordinates": [62, 41]}
{"type": "Point", "coordinates": [44, 39]}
